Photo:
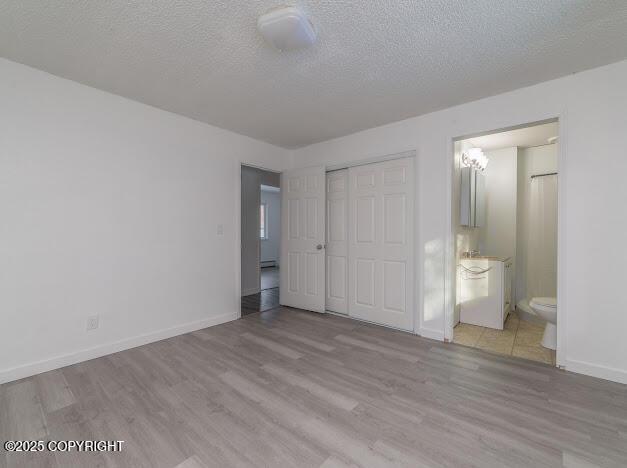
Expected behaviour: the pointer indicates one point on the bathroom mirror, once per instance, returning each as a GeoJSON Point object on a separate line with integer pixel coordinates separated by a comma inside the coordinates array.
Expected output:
{"type": "Point", "coordinates": [479, 199]}
{"type": "Point", "coordinates": [472, 198]}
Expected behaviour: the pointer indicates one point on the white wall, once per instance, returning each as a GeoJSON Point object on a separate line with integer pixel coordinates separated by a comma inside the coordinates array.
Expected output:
{"type": "Point", "coordinates": [593, 107]}
{"type": "Point", "coordinates": [271, 247]}
{"type": "Point", "coordinates": [536, 160]}
{"type": "Point", "coordinates": [110, 207]}
{"type": "Point", "coordinates": [498, 236]}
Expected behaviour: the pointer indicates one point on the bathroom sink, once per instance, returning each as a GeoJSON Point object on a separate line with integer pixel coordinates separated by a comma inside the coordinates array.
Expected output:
{"type": "Point", "coordinates": [488, 257]}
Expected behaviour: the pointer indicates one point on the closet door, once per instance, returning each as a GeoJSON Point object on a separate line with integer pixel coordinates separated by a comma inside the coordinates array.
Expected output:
{"type": "Point", "coordinates": [302, 238]}
{"type": "Point", "coordinates": [381, 239]}
{"type": "Point", "coordinates": [337, 241]}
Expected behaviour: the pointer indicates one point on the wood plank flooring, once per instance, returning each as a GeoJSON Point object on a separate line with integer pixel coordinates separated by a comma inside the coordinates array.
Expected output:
{"type": "Point", "coordinates": [288, 388]}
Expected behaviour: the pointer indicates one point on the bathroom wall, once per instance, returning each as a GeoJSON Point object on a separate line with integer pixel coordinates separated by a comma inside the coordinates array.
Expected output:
{"type": "Point", "coordinates": [498, 236]}
{"type": "Point", "coordinates": [536, 160]}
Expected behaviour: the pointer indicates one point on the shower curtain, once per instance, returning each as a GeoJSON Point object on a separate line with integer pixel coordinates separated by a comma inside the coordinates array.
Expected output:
{"type": "Point", "coordinates": [542, 240]}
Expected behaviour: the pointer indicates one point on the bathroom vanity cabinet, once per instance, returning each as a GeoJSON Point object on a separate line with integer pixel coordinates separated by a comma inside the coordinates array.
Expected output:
{"type": "Point", "coordinates": [486, 289]}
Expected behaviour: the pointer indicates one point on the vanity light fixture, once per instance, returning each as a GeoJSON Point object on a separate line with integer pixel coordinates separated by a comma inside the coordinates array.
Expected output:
{"type": "Point", "coordinates": [475, 158]}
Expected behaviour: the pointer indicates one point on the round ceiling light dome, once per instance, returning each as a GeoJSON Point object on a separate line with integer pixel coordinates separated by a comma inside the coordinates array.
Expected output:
{"type": "Point", "coordinates": [286, 28]}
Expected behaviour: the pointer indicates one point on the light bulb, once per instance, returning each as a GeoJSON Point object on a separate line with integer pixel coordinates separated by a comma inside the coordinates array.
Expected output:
{"type": "Point", "coordinates": [474, 157]}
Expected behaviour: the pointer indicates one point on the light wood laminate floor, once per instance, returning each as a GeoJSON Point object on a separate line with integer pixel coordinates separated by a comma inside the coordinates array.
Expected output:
{"type": "Point", "coordinates": [287, 388]}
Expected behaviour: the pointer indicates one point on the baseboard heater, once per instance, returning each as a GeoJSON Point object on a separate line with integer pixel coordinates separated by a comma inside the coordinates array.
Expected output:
{"type": "Point", "coordinates": [268, 264]}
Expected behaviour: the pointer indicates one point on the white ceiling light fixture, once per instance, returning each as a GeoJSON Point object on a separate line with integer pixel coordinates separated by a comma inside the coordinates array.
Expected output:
{"type": "Point", "coordinates": [286, 28]}
{"type": "Point", "coordinates": [474, 157]}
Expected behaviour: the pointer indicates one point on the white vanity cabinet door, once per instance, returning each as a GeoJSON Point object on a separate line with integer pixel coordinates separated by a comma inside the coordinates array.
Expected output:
{"type": "Point", "coordinates": [482, 292]}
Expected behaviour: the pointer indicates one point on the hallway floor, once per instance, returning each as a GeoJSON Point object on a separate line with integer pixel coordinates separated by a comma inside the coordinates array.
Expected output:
{"type": "Point", "coordinates": [265, 300]}
{"type": "Point", "coordinates": [269, 278]}
{"type": "Point", "coordinates": [268, 298]}
{"type": "Point", "coordinates": [519, 338]}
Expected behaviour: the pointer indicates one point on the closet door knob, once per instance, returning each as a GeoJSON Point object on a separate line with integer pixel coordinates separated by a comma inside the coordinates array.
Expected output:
{"type": "Point", "coordinates": [319, 247]}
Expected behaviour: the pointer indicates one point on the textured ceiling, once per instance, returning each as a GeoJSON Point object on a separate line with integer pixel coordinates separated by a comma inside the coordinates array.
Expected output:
{"type": "Point", "coordinates": [375, 61]}
{"type": "Point", "coordinates": [522, 137]}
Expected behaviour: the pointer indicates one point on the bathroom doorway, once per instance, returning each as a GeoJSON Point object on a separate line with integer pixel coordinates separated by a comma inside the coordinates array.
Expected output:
{"type": "Point", "coordinates": [504, 223]}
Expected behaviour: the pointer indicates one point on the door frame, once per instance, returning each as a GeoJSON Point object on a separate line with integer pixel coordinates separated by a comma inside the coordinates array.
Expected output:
{"type": "Point", "coordinates": [417, 315]}
{"type": "Point", "coordinates": [450, 245]}
{"type": "Point", "coordinates": [238, 228]}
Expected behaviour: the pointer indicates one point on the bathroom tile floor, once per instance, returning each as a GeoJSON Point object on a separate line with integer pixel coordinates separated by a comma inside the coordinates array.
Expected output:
{"type": "Point", "coordinates": [519, 338]}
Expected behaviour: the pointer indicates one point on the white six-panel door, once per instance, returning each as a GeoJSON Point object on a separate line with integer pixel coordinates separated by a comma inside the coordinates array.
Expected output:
{"type": "Point", "coordinates": [337, 241]}
{"type": "Point", "coordinates": [381, 232]}
{"type": "Point", "coordinates": [302, 272]}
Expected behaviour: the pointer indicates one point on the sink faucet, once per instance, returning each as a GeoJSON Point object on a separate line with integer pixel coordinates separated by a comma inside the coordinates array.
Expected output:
{"type": "Point", "coordinates": [471, 254]}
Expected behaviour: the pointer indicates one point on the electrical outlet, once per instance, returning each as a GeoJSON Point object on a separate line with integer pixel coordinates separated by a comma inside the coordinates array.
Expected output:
{"type": "Point", "coordinates": [220, 229]}
{"type": "Point", "coordinates": [92, 322]}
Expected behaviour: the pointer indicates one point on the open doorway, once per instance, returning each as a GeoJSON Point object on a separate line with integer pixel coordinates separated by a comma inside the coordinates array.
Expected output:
{"type": "Point", "coordinates": [261, 239]}
{"type": "Point", "coordinates": [505, 229]}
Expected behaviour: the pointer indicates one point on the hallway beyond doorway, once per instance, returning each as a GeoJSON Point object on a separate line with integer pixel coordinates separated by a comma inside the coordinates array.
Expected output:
{"type": "Point", "coordinates": [268, 298]}
{"type": "Point", "coordinates": [269, 278]}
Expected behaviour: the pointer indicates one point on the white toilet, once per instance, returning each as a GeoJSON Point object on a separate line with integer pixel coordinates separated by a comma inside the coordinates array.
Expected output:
{"type": "Point", "coordinates": [546, 308]}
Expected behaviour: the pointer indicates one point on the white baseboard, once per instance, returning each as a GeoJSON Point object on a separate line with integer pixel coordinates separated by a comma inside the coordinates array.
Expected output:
{"type": "Point", "coordinates": [15, 373]}
{"type": "Point", "coordinates": [248, 292]}
{"type": "Point", "coordinates": [595, 370]}
{"type": "Point", "coordinates": [432, 334]}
